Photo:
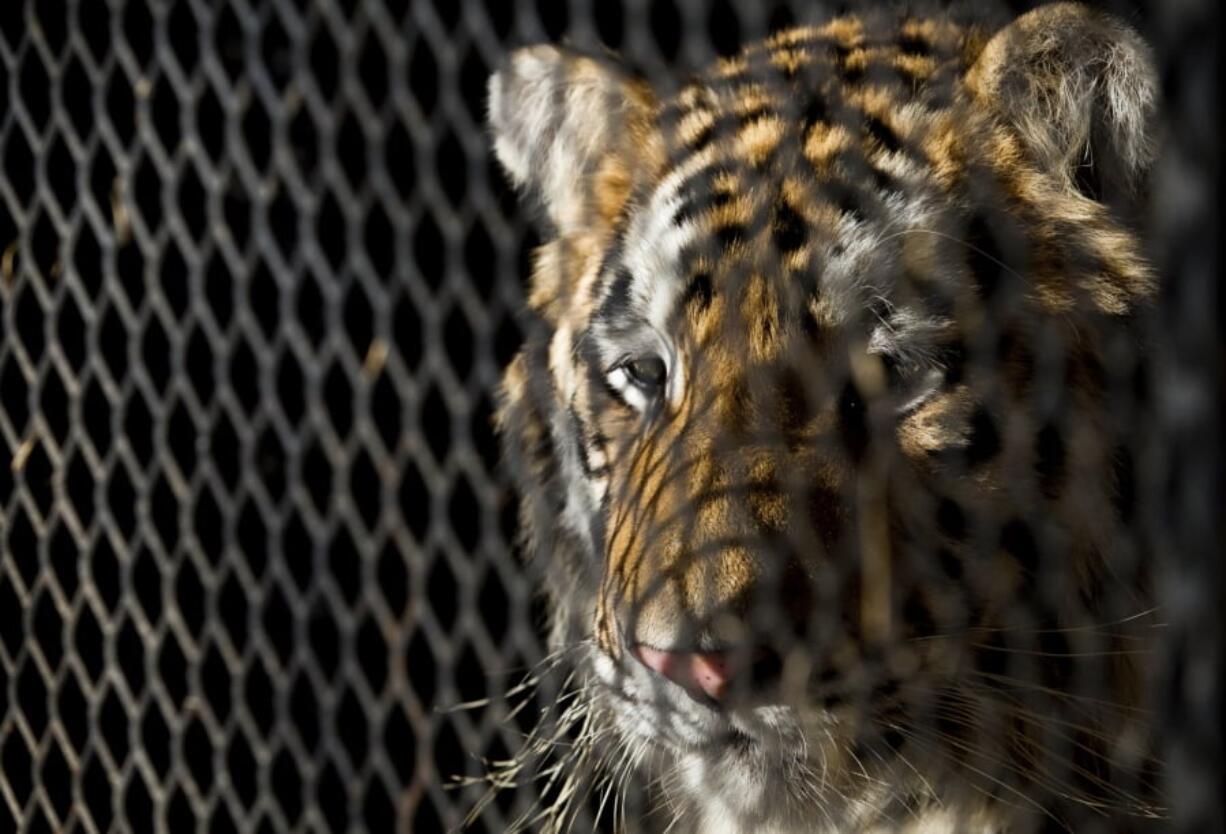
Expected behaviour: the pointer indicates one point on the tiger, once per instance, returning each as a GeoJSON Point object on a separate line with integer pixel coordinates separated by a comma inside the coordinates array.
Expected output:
{"type": "Point", "coordinates": [824, 426]}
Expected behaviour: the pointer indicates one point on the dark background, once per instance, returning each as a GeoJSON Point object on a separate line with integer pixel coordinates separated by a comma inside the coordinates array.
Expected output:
{"type": "Point", "coordinates": [260, 276]}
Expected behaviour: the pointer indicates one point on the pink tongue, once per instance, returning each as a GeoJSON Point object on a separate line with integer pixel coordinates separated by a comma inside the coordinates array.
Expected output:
{"type": "Point", "coordinates": [706, 672]}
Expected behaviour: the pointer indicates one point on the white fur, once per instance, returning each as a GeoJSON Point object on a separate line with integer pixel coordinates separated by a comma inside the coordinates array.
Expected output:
{"type": "Point", "coordinates": [653, 248]}
{"type": "Point", "coordinates": [553, 114]}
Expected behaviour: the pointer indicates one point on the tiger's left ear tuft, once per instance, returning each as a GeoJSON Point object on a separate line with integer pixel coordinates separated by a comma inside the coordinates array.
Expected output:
{"type": "Point", "coordinates": [1081, 90]}
{"type": "Point", "coordinates": [565, 125]}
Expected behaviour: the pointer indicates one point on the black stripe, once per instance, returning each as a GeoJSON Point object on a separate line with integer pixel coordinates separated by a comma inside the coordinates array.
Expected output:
{"type": "Point", "coordinates": [881, 132]}
{"type": "Point", "coordinates": [699, 291]}
{"type": "Point", "coordinates": [581, 440]}
{"type": "Point", "coordinates": [617, 300]}
{"type": "Point", "coordinates": [789, 230]}
{"type": "Point", "coordinates": [914, 45]}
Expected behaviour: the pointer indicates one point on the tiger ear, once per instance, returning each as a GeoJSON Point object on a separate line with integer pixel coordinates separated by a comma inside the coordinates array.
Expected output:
{"type": "Point", "coordinates": [1080, 89]}
{"type": "Point", "coordinates": [571, 130]}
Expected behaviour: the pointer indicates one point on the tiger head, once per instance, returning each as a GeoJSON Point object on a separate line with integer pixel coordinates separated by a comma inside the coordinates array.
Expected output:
{"type": "Point", "coordinates": [821, 423]}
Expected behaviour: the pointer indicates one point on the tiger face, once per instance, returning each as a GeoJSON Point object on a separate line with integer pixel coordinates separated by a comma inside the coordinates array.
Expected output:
{"type": "Point", "coordinates": [815, 423]}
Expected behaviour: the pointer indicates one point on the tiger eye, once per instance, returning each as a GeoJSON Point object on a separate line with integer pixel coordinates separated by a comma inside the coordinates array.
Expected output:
{"type": "Point", "coordinates": [648, 371]}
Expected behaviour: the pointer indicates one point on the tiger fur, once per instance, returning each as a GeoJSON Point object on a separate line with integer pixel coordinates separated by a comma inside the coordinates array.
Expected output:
{"type": "Point", "coordinates": [821, 425]}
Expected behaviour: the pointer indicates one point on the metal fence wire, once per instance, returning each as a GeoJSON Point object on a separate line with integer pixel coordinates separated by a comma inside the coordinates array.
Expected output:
{"type": "Point", "coordinates": [260, 276]}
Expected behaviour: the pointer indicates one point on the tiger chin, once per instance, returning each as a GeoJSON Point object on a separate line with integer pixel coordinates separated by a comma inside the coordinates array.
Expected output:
{"type": "Point", "coordinates": [824, 427]}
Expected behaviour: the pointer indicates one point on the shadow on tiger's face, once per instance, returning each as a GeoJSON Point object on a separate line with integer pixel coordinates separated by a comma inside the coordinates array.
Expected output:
{"type": "Point", "coordinates": [813, 426]}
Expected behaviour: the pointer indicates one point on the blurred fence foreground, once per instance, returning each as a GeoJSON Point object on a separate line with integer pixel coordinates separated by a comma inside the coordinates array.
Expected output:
{"type": "Point", "coordinates": [258, 280]}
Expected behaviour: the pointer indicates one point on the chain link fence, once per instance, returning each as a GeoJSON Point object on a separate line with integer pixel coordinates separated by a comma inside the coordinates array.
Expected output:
{"type": "Point", "coordinates": [259, 276]}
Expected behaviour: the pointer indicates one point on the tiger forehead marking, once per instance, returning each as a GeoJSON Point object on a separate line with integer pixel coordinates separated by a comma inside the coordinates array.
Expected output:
{"type": "Point", "coordinates": [778, 429]}
{"type": "Point", "coordinates": [748, 157]}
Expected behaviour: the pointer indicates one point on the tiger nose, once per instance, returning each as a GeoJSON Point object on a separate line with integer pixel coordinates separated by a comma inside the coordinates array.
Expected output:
{"type": "Point", "coordinates": [705, 672]}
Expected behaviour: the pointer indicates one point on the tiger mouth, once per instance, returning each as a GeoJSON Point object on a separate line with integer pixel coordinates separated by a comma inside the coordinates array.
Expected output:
{"type": "Point", "coordinates": [671, 716]}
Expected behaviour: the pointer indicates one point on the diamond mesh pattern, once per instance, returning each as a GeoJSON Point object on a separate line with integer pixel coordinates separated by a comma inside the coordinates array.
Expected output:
{"type": "Point", "coordinates": [258, 278]}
